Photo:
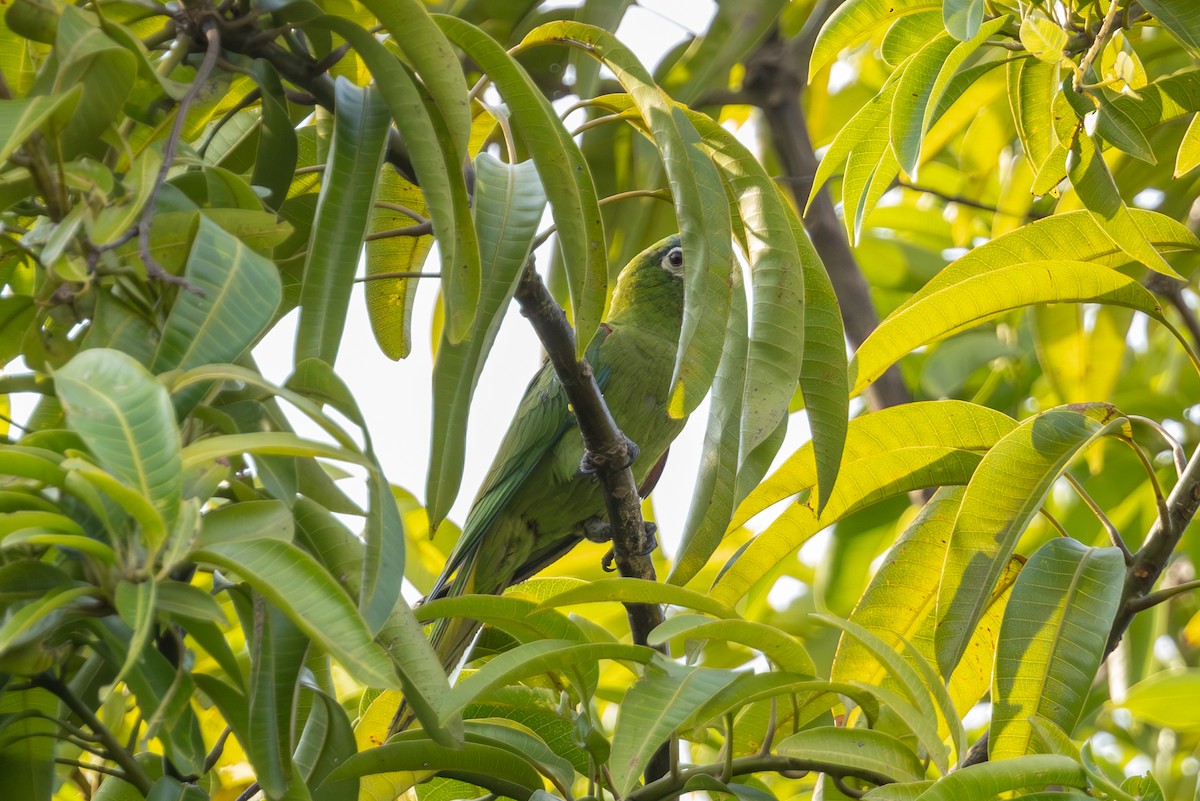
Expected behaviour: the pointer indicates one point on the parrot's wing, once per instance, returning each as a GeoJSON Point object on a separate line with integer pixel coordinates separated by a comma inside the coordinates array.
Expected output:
{"type": "Point", "coordinates": [542, 418]}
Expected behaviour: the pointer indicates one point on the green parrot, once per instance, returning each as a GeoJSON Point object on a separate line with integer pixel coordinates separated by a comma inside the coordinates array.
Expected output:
{"type": "Point", "coordinates": [536, 503]}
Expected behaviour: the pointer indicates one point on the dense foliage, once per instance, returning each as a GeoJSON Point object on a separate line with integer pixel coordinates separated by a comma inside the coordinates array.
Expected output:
{"type": "Point", "coordinates": [1002, 225]}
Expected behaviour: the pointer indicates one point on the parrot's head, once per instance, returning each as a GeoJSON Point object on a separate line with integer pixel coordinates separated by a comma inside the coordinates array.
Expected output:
{"type": "Point", "coordinates": [653, 279]}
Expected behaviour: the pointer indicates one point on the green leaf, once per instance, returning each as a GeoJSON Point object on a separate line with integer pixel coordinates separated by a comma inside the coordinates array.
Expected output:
{"type": "Point", "coordinates": [863, 750]}
{"type": "Point", "coordinates": [1163, 100]}
{"type": "Point", "coordinates": [1181, 18]}
{"type": "Point", "coordinates": [509, 202]}
{"type": "Point", "coordinates": [652, 708]}
{"type": "Point", "coordinates": [1004, 495]}
{"type": "Point", "coordinates": [922, 691]}
{"type": "Point", "coordinates": [638, 591]}
{"type": "Point", "coordinates": [438, 166]}
{"type": "Point", "coordinates": [343, 209]}
{"type": "Point", "coordinates": [1164, 699]}
{"type": "Point", "coordinates": [531, 659]}
{"type": "Point", "coordinates": [887, 453]}
{"type": "Point", "coordinates": [1043, 38]}
{"type": "Point", "coordinates": [37, 618]}
{"type": "Point", "coordinates": [784, 650]}
{"type": "Point", "coordinates": [899, 602]}
{"type": "Point", "coordinates": [390, 300]}
{"type": "Point", "coordinates": [990, 780]}
{"type": "Point", "coordinates": [28, 746]}
{"type": "Point", "coordinates": [1052, 640]}
{"type": "Point", "coordinates": [294, 582]}
{"type": "Point", "coordinates": [700, 207]}
{"type": "Point", "coordinates": [241, 291]}
{"type": "Point", "coordinates": [565, 175]}
{"type": "Point", "coordinates": [962, 17]}
{"type": "Point", "coordinates": [246, 520]}
{"type": "Point", "coordinates": [486, 764]}
{"type": "Point", "coordinates": [1032, 85]}
{"type": "Point", "coordinates": [909, 34]}
{"type": "Point", "coordinates": [920, 89]}
{"type": "Point", "coordinates": [976, 299]}
{"type": "Point", "coordinates": [415, 33]}
{"type": "Point", "coordinates": [127, 421]}
{"type": "Point", "coordinates": [136, 605]}
{"type": "Point", "coordinates": [856, 20]}
{"type": "Point", "coordinates": [1098, 191]}
{"type": "Point", "coordinates": [113, 221]}
{"type": "Point", "coordinates": [1189, 149]}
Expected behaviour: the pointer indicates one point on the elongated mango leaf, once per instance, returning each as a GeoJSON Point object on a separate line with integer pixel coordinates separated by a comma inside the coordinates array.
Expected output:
{"type": "Point", "coordinates": [1081, 365]}
{"type": "Point", "coordinates": [1073, 236]}
{"type": "Point", "coordinates": [977, 299]}
{"type": "Point", "coordinates": [856, 20]}
{"type": "Point", "coordinates": [1163, 100]}
{"type": "Point", "coordinates": [888, 452]}
{"type": "Point", "coordinates": [21, 118]}
{"type": "Point", "coordinates": [922, 701]}
{"type": "Point", "coordinates": [784, 650]}
{"type": "Point", "coordinates": [899, 604]}
{"type": "Point", "coordinates": [127, 421]}
{"type": "Point", "coordinates": [1031, 87]}
{"type": "Point", "coordinates": [862, 749]}
{"type": "Point", "coordinates": [638, 591]}
{"type": "Point", "coordinates": [652, 708]}
{"type": "Point", "coordinates": [1002, 498]}
{"type": "Point", "coordinates": [509, 201]}
{"type": "Point", "coordinates": [920, 89]}
{"type": "Point", "coordinates": [1181, 18]}
{"type": "Point", "coordinates": [241, 291]}
{"type": "Point", "coordinates": [565, 175]}
{"type": "Point", "coordinates": [343, 209]}
{"type": "Point", "coordinates": [700, 207]}
{"type": "Point", "coordinates": [1163, 699]}
{"type": "Point", "coordinates": [390, 300]}
{"type": "Point", "coordinates": [294, 582]}
{"type": "Point", "coordinates": [438, 166]}
{"type": "Point", "coordinates": [962, 17]}
{"type": "Point", "coordinates": [1097, 190]}
{"type": "Point", "coordinates": [814, 696]}
{"type": "Point", "coordinates": [277, 649]}
{"type": "Point", "coordinates": [433, 59]}
{"type": "Point", "coordinates": [486, 764]}
{"type": "Point", "coordinates": [990, 780]}
{"type": "Point", "coordinates": [533, 658]}
{"type": "Point", "coordinates": [27, 754]}
{"type": "Point", "coordinates": [1052, 640]}
{"type": "Point", "coordinates": [1189, 149]}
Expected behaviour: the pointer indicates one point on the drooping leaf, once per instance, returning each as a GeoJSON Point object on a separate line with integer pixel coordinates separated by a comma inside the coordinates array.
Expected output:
{"type": "Point", "coordinates": [861, 749]}
{"type": "Point", "coordinates": [887, 453]}
{"type": "Point", "coordinates": [127, 421]}
{"type": "Point", "coordinates": [509, 201]}
{"type": "Point", "coordinates": [343, 210]}
{"type": "Point", "coordinates": [652, 708]}
{"type": "Point", "coordinates": [1052, 640]}
{"type": "Point", "coordinates": [1002, 498]}
{"type": "Point", "coordinates": [854, 21]}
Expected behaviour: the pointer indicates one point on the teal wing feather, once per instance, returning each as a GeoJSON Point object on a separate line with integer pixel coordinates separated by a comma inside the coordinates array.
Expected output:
{"type": "Point", "coordinates": [542, 418]}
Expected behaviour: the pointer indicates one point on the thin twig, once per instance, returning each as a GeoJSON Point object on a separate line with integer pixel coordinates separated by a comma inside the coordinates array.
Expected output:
{"type": "Point", "coordinates": [1156, 598]}
{"type": "Point", "coordinates": [1160, 500]}
{"type": "Point", "coordinates": [1177, 453]}
{"type": "Point", "coordinates": [75, 763]}
{"type": "Point", "coordinates": [405, 210]}
{"type": "Point", "coordinates": [397, 275]}
{"type": "Point", "coordinates": [153, 268]}
{"type": "Point", "coordinates": [134, 774]}
{"type": "Point", "coordinates": [1114, 536]}
{"type": "Point", "coordinates": [421, 229]}
{"type": "Point", "coordinates": [1098, 42]}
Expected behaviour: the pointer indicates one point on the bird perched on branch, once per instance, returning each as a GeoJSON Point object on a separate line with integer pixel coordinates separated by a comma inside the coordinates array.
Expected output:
{"type": "Point", "coordinates": [538, 501]}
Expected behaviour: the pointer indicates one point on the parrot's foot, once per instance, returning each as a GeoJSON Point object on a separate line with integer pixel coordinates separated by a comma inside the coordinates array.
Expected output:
{"type": "Point", "coordinates": [606, 564]}
{"type": "Point", "coordinates": [593, 461]}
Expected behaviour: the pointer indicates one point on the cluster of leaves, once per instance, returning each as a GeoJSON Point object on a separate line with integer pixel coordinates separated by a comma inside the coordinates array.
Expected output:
{"type": "Point", "coordinates": [187, 612]}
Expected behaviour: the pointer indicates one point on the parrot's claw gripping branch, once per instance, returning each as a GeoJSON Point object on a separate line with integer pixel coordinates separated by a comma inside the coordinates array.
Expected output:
{"type": "Point", "coordinates": [608, 452]}
{"type": "Point", "coordinates": [624, 455]}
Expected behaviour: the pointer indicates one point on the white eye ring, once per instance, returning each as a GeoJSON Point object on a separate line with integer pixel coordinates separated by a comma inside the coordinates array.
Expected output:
{"type": "Point", "coordinates": [673, 261]}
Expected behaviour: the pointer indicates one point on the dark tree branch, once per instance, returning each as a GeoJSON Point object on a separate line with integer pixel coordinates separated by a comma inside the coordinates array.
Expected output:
{"type": "Point", "coordinates": [133, 771]}
{"type": "Point", "coordinates": [776, 74]}
{"type": "Point", "coordinates": [790, 767]}
{"type": "Point", "coordinates": [608, 451]}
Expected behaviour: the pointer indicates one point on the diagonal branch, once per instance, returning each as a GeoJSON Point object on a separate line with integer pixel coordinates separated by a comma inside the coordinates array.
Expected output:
{"type": "Point", "coordinates": [630, 541]}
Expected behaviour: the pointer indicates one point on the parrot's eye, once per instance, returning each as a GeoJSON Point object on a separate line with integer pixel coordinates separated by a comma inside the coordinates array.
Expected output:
{"type": "Point", "coordinates": [673, 261]}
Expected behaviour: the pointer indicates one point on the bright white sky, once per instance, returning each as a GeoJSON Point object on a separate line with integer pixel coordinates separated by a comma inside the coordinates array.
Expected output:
{"type": "Point", "coordinates": [395, 396]}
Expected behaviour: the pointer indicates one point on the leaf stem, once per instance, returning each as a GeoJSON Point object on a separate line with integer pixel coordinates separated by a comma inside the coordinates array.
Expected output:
{"type": "Point", "coordinates": [1114, 536]}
